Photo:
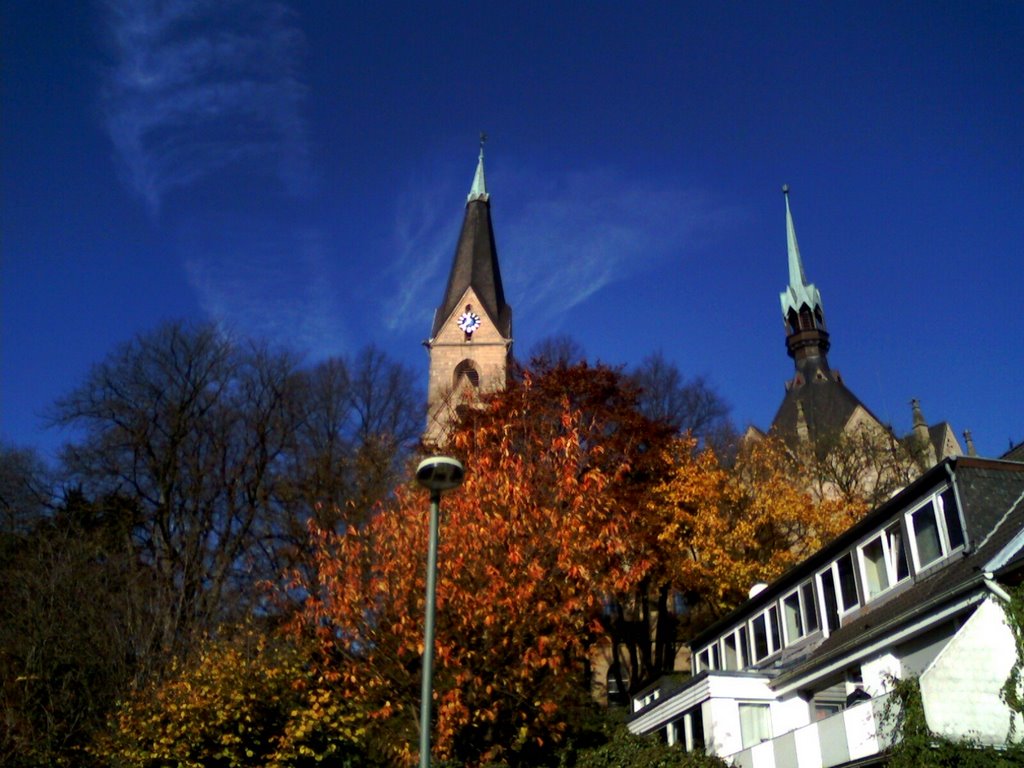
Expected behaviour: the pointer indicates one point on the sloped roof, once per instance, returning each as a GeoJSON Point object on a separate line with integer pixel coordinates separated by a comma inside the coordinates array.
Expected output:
{"type": "Point", "coordinates": [1016, 453]}
{"type": "Point", "coordinates": [476, 266]}
{"type": "Point", "coordinates": [989, 494]}
{"type": "Point", "coordinates": [938, 434]}
{"type": "Point", "coordinates": [827, 405]}
{"type": "Point", "coordinates": [987, 489]}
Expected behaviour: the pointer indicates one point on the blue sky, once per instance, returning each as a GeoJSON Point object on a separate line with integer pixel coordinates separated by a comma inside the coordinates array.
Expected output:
{"type": "Point", "coordinates": [298, 171]}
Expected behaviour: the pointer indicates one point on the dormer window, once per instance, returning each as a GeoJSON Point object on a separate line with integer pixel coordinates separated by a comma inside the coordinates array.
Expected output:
{"type": "Point", "coordinates": [799, 613]}
{"type": "Point", "coordinates": [847, 582]}
{"type": "Point", "coordinates": [951, 517]}
{"type": "Point", "coordinates": [838, 586]}
{"type": "Point", "coordinates": [884, 561]}
{"type": "Point", "coordinates": [935, 529]}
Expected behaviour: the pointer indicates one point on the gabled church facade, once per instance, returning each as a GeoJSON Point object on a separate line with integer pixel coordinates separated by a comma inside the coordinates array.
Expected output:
{"type": "Point", "coordinates": [470, 344]}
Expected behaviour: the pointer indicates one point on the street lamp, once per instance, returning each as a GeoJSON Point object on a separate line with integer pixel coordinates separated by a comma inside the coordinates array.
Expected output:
{"type": "Point", "coordinates": [436, 474]}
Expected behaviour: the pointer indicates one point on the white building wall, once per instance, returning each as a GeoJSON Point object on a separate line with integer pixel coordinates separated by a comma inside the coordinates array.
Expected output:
{"type": "Point", "coordinates": [722, 726]}
{"type": "Point", "coordinates": [763, 755]}
{"type": "Point", "coordinates": [808, 747]}
{"type": "Point", "coordinates": [861, 734]}
{"type": "Point", "coordinates": [878, 672]}
{"type": "Point", "coordinates": [790, 714]}
{"type": "Point", "coordinates": [961, 687]}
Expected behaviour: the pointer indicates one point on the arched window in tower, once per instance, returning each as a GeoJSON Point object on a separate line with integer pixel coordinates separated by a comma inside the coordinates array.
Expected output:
{"type": "Point", "coordinates": [806, 318]}
{"type": "Point", "coordinates": [792, 321]}
{"type": "Point", "coordinates": [466, 373]}
{"type": "Point", "coordinates": [819, 318]}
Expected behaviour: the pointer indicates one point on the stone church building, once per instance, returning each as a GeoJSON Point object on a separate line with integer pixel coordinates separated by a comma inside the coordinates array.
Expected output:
{"type": "Point", "coordinates": [824, 423]}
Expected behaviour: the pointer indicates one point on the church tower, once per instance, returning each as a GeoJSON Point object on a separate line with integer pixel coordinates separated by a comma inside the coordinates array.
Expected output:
{"type": "Point", "coordinates": [823, 423]}
{"type": "Point", "coordinates": [817, 407]}
{"type": "Point", "coordinates": [806, 337]}
{"type": "Point", "coordinates": [470, 344]}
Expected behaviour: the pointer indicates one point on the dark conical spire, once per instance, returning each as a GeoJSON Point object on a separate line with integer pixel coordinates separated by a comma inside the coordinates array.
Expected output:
{"type": "Point", "coordinates": [476, 260]}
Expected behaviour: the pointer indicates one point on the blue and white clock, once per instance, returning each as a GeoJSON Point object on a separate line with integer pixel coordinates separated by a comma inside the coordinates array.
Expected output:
{"type": "Point", "coordinates": [469, 321]}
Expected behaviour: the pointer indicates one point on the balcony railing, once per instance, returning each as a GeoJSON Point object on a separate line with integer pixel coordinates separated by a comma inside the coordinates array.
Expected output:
{"type": "Point", "coordinates": [853, 734]}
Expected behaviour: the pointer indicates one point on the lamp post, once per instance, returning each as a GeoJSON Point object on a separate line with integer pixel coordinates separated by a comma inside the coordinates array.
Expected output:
{"type": "Point", "coordinates": [436, 474]}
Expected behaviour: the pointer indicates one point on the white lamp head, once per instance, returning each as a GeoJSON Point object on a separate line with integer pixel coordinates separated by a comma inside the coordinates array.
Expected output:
{"type": "Point", "coordinates": [440, 473]}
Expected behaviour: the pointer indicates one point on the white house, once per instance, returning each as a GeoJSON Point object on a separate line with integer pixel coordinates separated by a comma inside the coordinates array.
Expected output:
{"type": "Point", "coordinates": [800, 674]}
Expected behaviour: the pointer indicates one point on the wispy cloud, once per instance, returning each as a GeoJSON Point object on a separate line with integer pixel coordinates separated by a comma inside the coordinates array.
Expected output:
{"type": "Point", "coordinates": [271, 286]}
{"type": "Point", "coordinates": [424, 241]}
{"type": "Point", "coordinates": [561, 239]}
{"type": "Point", "coordinates": [196, 86]}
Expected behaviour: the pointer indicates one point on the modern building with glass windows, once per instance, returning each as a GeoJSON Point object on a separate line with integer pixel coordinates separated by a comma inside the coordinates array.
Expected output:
{"type": "Point", "coordinates": [800, 674]}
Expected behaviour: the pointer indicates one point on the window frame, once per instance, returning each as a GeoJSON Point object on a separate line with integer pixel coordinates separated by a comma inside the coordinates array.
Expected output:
{"type": "Point", "coordinates": [737, 652]}
{"type": "Point", "coordinates": [886, 537]}
{"type": "Point", "coordinates": [765, 707]}
{"type": "Point", "coordinates": [804, 609]}
{"type": "Point", "coordinates": [787, 637]}
{"type": "Point", "coordinates": [940, 517]}
{"type": "Point", "coordinates": [756, 656]}
{"type": "Point", "coordinates": [831, 572]}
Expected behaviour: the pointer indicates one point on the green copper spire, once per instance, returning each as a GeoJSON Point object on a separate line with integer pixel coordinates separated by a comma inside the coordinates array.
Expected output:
{"type": "Point", "coordinates": [796, 267]}
{"type": "Point", "coordinates": [800, 292]}
{"type": "Point", "coordinates": [479, 188]}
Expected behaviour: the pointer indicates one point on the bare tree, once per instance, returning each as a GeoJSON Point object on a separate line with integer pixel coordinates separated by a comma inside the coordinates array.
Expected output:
{"type": "Point", "coordinates": [866, 464]}
{"type": "Point", "coordinates": [189, 426]}
{"type": "Point", "coordinates": [357, 422]}
{"type": "Point", "coordinates": [25, 489]}
{"type": "Point", "coordinates": [196, 463]}
{"type": "Point", "coordinates": [688, 405]}
{"type": "Point", "coordinates": [228, 448]}
{"type": "Point", "coordinates": [557, 351]}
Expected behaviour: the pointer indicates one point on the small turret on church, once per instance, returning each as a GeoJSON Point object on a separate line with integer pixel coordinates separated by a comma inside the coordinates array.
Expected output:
{"type": "Point", "coordinates": [470, 342]}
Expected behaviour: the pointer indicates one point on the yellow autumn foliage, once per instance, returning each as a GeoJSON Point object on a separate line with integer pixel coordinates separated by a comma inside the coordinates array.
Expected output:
{"type": "Point", "coordinates": [246, 700]}
{"type": "Point", "coordinates": [725, 529]}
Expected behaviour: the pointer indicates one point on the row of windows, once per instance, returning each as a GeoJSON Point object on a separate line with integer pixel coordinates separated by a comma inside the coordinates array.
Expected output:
{"type": "Point", "coordinates": [922, 537]}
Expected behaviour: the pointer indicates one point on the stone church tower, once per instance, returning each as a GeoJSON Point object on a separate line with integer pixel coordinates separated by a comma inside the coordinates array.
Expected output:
{"type": "Point", "coordinates": [817, 406]}
{"type": "Point", "coordinates": [826, 424]}
{"type": "Point", "coordinates": [470, 343]}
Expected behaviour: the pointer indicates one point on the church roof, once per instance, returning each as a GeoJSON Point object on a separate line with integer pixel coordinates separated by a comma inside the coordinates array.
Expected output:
{"type": "Point", "coordinates": [825, 402]}
{"type": "Point", "coordinates": [476, 262]}
{"type": "Point", "coordinates": [1016, 453]}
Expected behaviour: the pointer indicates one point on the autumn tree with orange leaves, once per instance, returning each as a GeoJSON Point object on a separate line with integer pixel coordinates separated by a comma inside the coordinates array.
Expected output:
{"type": "Point", "coordinates": [533, 542]}
{"type": "Point", "coordinates": [578, 522]}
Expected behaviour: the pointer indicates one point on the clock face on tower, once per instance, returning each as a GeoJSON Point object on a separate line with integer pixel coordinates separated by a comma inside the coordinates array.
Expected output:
{"type": "Point", "coordinates": [469, 321]}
